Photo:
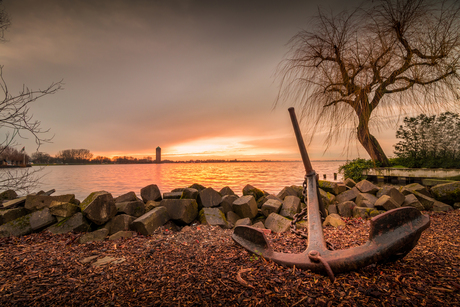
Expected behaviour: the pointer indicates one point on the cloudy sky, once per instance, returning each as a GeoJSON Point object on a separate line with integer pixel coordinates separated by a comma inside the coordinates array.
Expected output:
{"type": "Point", "coordinates": [196, 78]}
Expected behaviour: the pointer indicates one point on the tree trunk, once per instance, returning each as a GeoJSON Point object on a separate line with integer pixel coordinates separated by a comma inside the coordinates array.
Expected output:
{"type": "Point", "coordinates": [371, 144]}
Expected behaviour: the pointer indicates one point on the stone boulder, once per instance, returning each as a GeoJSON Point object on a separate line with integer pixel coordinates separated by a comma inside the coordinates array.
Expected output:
{"type": "Point", "coordinates": [95, 236]}
{"type": "Point", "coordinates": [367, 187]}
{"type": "Point", "coordinates": [76, 223]}
{"type": "Point", "coordinates": [209, 198]}
{"type": "Point", "coordinates": [63, 209]}
{"type": "Point", "coordinates": [447, 192]}
{"type": "Point", "coordinates": [426, 201]}
{"type": "Point", "coordinates": [333, 220]}
{"type": "Point", "coordinates": [440, 206]}
{"type": "Point", "coordinates": [212, 217]}
{"type": "Point", "coordinates": [332, 209]}
{"type": "Point", "coordinates": [18, 227]}
{"type": "Point", "coordinates": [346, 208]}
{"type": "Point", "coordinates": [99, 207]}
{"type": "Point", "coordinates": [251, 190]}
{"type": "Point", "coordinates": [261, 201]}
{"type": "Point", "coordinates": [277, 223]}
{"type": "Point", "coordinates": [366, 200]}
{"type": "Point", "coordinates": [190, 193]}
{"type": "Point", "coordinates": [342, 187]}
{"type": "Point", "coordinates": [245, 206]}
{"type": "Point", "coordinates": [130, 196]}
{"type": "Point", "coordinates": [329, 186]}
{"type": "Point", "coordinates": [414, 187]}
{"type": "Point", "coordinates": [385, 202]}
{"type": "Point", "coordinates": [243, 222]}
{"type": "Point", "coordinates": [12, 214]}
{"type": "Point", "coordinates": [232, 217]}
{"type": "Point", "coordinates": [411, 201]}
{"type": "Point", "coordinates": [349, 183]}
{"type": "Point", "coordinates": [290, 191]}
{"type": "Point", "coordinates": [41, 219]}
{"type": "Point", "coordinates": [259, 225]}
{"type": "Point", "coordinates": [226, 191]}
{"type": "Point", "coordinates": [123, 234]}
{"type": "Point", "coordinates": [120, 223]}
{"type": "Point", "coordinates": [172, 195]}
{"type": "Point", "coordinates": [271, 206]}
{"type": "Point", "coordinates": [150, 192]}
{"type": "Point", "coordinates": [134, 208]}
{"type": "Point", "coordinates": [181, 211]}
{"type": "Point", "coordinates": [197, 186]}
{"type": "Point", "coordinates": [37, 202]}
{"type": "Point", "coordinates": [8, 195]}
{"type": "Point", "coordinates": [362, 212]}
{"type": "Point", "coordinates": [290, 207]}
{"type": "Point", "coordinates": [150, 221]}
{"type": "Point", "coordinates": [347, 195]}
{"type": "Point", "coordinates": [395, 194]}
{"type": "Point", "coordinates": [226, 204]}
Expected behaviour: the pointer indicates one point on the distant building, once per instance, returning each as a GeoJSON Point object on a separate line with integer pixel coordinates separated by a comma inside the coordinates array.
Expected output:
{"type": "Point", "coordinates": [158, 158]}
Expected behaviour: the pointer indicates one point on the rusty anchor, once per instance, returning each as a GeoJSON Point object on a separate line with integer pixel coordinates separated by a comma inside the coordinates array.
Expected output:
{"type": "Point", "coordinates": [392, 234]}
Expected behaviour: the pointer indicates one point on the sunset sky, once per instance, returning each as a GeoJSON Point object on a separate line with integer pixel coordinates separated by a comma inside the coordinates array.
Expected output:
{"type": "Point", "coordinates": [196, 78]}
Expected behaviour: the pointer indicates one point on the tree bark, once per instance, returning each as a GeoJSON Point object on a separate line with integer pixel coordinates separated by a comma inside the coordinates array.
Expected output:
{"type": "Point", "coordinates": [371, 144]}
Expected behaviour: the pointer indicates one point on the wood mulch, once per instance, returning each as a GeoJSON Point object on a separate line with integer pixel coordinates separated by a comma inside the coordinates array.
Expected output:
{"type": "Point", "coordinates": [202, 266]}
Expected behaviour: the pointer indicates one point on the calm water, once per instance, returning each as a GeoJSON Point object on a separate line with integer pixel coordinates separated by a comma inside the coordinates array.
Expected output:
{"type": "Point", "coordinates": [118, 179]}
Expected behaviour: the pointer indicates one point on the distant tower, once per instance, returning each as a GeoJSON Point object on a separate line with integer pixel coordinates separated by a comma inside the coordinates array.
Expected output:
{"type": "Point", "coordinates": [158, 160]}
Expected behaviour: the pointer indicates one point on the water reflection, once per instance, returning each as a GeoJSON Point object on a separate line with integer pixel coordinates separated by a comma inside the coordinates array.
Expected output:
{"type": "Point", "coordinates": [118, 179]}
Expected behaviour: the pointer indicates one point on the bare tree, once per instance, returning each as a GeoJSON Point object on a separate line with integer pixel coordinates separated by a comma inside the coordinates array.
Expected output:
{"type": "Point", "coordinates": [17, 122]}
{"type": "Point", "coordinates": [396, 54]}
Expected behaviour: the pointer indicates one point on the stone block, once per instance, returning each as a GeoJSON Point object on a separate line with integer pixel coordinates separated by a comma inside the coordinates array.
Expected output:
{"type": "Point", "coordinates": [290, 206]}
{"type": "Point", "coordinates": [41, 219]}
{"type": "Point", "coordinates": [63, 209]}
{"type": "Point", "coordinates": [181, 211]}
{"type": "Point", "coordinates": [209, 198]}
{"type": "Point", "coordinates": [426, 201]}
{"type": "Point", "coordinates": [243, 222]}
{"type": "Point", "coordinates": [411, 201]}
{"type": "Point", "coordinates": [349, 182]}
{"type": "Point", "coordinates": [197, 186]}
{"type": "Point", "coordinates": [212, 217]}
{"type": "Point", "coordinates": [120, 222]}
{"type": "Point", "coordinates": [395, 194]}
{"type": "Point", "coordinates": [277, 223]}
{"type": "Point", "coordinates": [95, 236]}
{"type": "Point", "coordinates": [347, 195]}
{"type": "Point", "coordinates": [332, 209]}
{"type": "Point", "coordinates": [245, 206]}
{"type": "Point", "coordinates": [226, 204]}
{"type": "Point", "coordinates": [346, 208]}
{"type": "Point", "coordinates": [251, 190]}
{"type": "Point", "coordinates": [37, 202]}
{"type": "Point", "coordinates": [440, 206]}
{"type": "Point", "coordinates": [190, 193]}
{"type": "Point", "coordinates": [366, 186]}
{"type": "Point", "coordinates": [15, 203]}
{"type": "Point", "coordinates": [134, 208]}
{"type": "Point", "coordinates": [226, 191]}
{"type": "Point", "coordinates": [289, 191]}
{"type": "Point", "coordinates": [415, 187]}
{"type": "Point", "coordinates": [385, 202]}
{"type": "Point", "coordinates": [232, 217]}
{"type": "Point", "coordinates": [8, 195]}
{"type": "Point", "coordinates": [448, 193]}
{"type": "Point", "coordinates": [124, 234]}
{"type": "Point", "coordinates": [342, 187]}
{"type": "Point", "coordinates": [150, 221]}
{"type": "Point", "coordinates": [76, 223]}
{"type": "Point", "coordinates": [16, 228]}
{"type": "Point", "coordinates": [150, 192]}
{"type": "Point", "coordinates": [151, 205]}
{"type": "Point", "coordinates": [12, 214]}
{"type": "Point", "coordinates": [130, 196]}
{"type": "Point", "coordinates": [333, 220]}
{"type": "Point", "coordinates": [271, 206]}
{"type": "Point", "coordinates": [259, 225]}
{"type": "Point", "coordinates": [329, 186]}
{"type": "Point", "coordinates": [99, 207]}
{"type": "Point", "coordinates": [172, 195]}
{"type": "Point", "coordinates": [365, 200]}
{"type": "Point", "coordinates": [362, 212]}
{"type": "Point", "coordinates": [261, 201]}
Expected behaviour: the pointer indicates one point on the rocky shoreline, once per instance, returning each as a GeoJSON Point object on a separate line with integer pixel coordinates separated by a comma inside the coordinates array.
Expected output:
{"type": "Point", "coordinates": [101, 216]}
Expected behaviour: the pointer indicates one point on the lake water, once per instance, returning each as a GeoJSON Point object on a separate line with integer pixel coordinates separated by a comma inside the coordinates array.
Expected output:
{"type": "Point", "coordinates": [118, 179]}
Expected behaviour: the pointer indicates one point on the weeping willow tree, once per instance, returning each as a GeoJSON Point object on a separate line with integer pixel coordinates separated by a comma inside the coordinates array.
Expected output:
{"type": "Point", "coordinates": [354, 69]}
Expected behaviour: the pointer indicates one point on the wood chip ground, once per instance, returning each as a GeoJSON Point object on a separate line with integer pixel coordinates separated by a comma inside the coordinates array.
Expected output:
{"type": "Point", "coordinates": [202, 266]}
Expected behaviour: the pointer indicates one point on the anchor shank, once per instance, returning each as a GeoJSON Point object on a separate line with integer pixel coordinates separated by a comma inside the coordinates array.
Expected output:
{"type": "Point", "coordinates": [298, 135]}
{"type": "Point", "coordinates": [315, 227]}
